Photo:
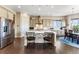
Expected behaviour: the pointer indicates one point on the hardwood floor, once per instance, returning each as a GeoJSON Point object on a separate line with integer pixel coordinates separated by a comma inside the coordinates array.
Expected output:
{"type": "Point", "coordinates": [40, 48]}
{"type": "Point", "coordinates": [18, 48]}
{"type": "Point", "coordinates": [14, 48]}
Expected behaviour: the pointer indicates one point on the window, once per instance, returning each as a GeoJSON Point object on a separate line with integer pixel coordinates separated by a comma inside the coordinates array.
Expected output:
{"type": "Point", "coordinates": [75, 22]}
{"type": "Point", "coordinates": [75, 25]}
{"type": "Point", "coordinates": [57, 24]}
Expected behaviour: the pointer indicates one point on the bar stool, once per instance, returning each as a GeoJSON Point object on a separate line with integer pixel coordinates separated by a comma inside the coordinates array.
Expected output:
{"type": "Point", "coordinates": [30, 36]}
{"type": "Point", "coordinates": [48, 38]}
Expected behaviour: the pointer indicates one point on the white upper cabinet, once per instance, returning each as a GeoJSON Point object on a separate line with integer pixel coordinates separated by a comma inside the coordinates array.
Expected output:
{"type": "Point", "coordinates": [3, 12]}
{"type": "Point", "coordinates": [10, 15]}
{"type": "Point", "coordinates": [6, 13]}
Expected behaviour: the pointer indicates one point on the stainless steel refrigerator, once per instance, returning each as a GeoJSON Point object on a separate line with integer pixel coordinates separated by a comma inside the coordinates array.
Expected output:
{"type": "Point", "coordinates": [6, 32]}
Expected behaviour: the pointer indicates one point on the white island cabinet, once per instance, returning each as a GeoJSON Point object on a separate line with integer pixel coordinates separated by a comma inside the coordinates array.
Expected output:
{"type": "Point", "coordinates": [39, 35]}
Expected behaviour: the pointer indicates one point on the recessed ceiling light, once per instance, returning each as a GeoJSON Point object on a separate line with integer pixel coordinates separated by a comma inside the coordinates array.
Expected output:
{"type": "Point", "coordinates": [52, 6]}
{"type": "Point", "coordinates": [19, 7]}
{"type": "Point", "coordinates": [39, 9]}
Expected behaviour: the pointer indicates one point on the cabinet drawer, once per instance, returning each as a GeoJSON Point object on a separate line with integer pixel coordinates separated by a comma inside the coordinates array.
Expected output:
{"type": "Point", "coordinates": [10, 15]}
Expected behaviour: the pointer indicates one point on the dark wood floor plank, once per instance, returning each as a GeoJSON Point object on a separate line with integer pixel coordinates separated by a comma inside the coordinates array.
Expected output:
{"type": "Point", "coordinates": [17, 47]}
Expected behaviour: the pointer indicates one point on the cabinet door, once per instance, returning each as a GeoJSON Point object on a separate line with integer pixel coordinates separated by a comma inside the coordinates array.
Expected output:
{"type": "Point", "coordinates": [0, 12]}
{"type": "Point", "coordinates": [44, 22]}
{"type": "Point", "coordinates": [10, 15]}
{"type": "Point", "coordinates": [31, 23]}
{"type": "Point", "coordinates": [3, 12]}
{"type": "Point", "coordinates": [4, 42]}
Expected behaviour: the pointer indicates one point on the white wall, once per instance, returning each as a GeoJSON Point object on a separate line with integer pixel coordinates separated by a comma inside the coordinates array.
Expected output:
{"type": "Point", "coordinates": [24, 24]}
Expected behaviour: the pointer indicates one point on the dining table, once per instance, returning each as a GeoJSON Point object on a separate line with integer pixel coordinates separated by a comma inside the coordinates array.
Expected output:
{"type": "Point", "coordinates": [75, 37]}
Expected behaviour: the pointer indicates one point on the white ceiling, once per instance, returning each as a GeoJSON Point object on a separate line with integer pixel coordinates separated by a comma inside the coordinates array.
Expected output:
{"type": "Point", "coordinates": [46, 10]}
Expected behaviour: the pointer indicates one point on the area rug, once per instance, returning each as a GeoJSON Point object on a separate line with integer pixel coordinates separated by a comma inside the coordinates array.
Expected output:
{"type": "Point", "coordinates": [65, 41]}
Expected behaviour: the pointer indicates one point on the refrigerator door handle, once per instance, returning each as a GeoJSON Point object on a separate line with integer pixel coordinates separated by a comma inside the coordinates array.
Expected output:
{"type": "Point", "coordinates": [5, 28]}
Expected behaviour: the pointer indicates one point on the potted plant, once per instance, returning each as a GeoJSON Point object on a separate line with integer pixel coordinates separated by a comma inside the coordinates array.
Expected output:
{"type": "Point", "coordinates": [76, 28]}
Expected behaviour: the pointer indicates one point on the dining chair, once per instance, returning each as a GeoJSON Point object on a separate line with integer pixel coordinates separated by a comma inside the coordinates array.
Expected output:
{"type": "Point", "coordinates": [65, 33]}
{"type": "Point", "coordinates": [70, 35]}
{"type": "Point", "coordinates": [77, 39]}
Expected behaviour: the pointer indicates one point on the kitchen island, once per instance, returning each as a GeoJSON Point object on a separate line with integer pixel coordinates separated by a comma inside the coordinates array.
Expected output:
{"type": "Point", "coordinates": [39, 36]}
